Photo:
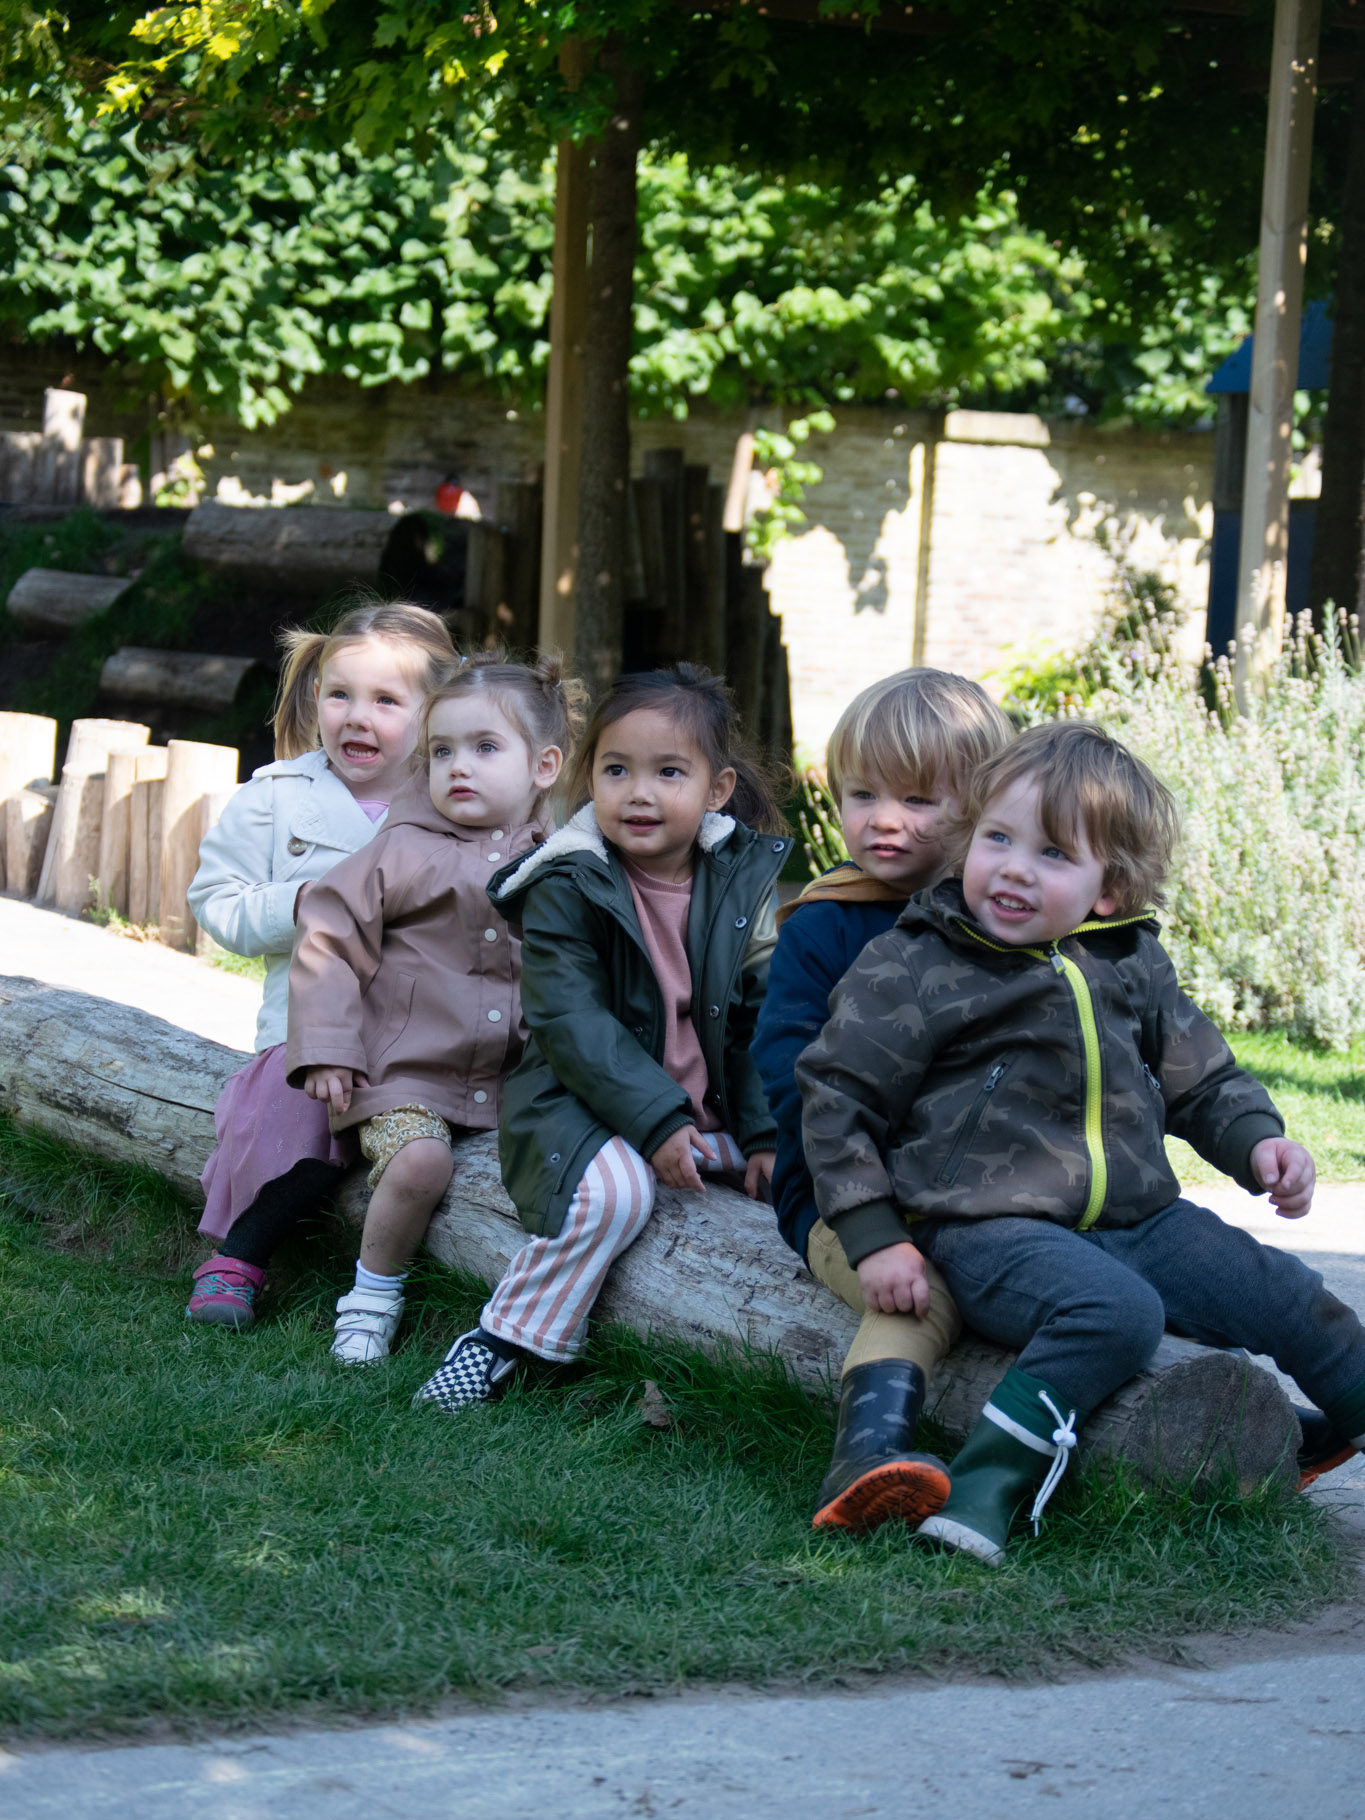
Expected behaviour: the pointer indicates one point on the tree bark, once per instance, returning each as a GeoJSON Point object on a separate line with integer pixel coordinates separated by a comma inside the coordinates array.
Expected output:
{"type": "Point", "coordinates": [1337, 539]}
{"type": "Point", "coordinates": [289, 546]}
{"type": "Point", "coordinates": [603, 498]}
{"type": "Point", "coordinates": [709, 1270]}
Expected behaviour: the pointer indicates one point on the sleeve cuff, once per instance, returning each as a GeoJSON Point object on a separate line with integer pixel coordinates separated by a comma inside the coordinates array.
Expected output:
{"type": "Point", "coordinates": [664, 1130]}
{"type": "Point", "coordinates": [1239, 1140]}
{"type": "Point", "coordinates": [871, 1227]}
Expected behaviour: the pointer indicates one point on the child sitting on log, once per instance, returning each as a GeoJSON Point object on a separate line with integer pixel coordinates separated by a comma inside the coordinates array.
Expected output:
{"type": "Point", "coordinates": [646, 926]}
{"type": "Point", "coordinates": [346, 723]}
{"type": "Point", "coordinates": [899, 757]}
{"type": "Point", "coordinates": [404, 1014]}
{"type": "Point", "coordinates": [992, 1092]}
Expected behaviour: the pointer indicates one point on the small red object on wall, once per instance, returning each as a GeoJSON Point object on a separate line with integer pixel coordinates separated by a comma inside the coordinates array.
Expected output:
{"type": "Point", "coordinates": [448, 495]}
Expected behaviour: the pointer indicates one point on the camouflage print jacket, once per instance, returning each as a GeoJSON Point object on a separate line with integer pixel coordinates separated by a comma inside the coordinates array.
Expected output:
{"type": "Point", "coordinates": [961, 1079]}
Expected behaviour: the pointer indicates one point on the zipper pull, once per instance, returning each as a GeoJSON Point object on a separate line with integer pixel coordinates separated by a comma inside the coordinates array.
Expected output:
{"type": "Point", "coordinates": [993, 1078]}
{"type": "Point", "coordinates": [1058, 964]}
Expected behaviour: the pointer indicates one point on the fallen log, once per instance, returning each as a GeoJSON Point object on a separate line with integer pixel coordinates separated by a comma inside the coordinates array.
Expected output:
{"type": "Point", "coordinates": [710, 1270]}
{"type": "Point", "coordinates": [188, 679]}
{"type": "Point", "coordinates": [297, 547]}
{"type": "Point", "coordinates": [53, 600]}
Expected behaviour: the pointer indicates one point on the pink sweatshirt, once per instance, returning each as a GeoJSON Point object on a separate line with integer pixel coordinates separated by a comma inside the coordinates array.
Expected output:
{"type": "Point", "coordinates": [662, 909]}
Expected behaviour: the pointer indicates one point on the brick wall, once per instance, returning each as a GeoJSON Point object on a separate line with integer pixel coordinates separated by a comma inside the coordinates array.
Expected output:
{"type": "Point", "coordinates": [1011, 563]}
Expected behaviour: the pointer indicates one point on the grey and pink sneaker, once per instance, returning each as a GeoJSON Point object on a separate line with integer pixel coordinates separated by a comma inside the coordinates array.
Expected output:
{"type": "Point", "coordinates": [225, 1291]}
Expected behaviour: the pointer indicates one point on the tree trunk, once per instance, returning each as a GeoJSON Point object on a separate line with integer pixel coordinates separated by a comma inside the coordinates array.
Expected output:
{"type": "Point", "coordinates": [1336, 572]}
{"type": "Point", "coordinates": [709, 1270]}
{"type": "Point", "coordinates": [603, 498]}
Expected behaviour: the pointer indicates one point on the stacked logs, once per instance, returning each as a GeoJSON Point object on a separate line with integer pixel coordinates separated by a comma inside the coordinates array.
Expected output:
{"type": "Point", "coordinates": [119, 830]}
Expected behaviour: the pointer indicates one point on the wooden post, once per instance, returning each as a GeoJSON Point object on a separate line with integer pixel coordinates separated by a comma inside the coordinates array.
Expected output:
{"type": "Point", "coordinates": [101, 470]}
{"type": "Point", "coordinates": [1263, 557]}
{"type": "Point", "coordinates": [28, 751]}
{"type": "Point", "coordinates": [564, 385]}
{"type": "Point", "coordinates": [59, 454]}
{"type": "Point", "coordinates": [923, 471]}
{"type": "Point", "coordinates": [116, 831]}
{"type": "Point", "coordinates": [193, 771]}
{"type": "Point", "coordinates": [28, 823]}
{"type": "Point", "coordinates": [519, 508]}
{"type": "Point", "coordinates": [73, 847]}
{"type": "Point", "coordinates": [144, 837]}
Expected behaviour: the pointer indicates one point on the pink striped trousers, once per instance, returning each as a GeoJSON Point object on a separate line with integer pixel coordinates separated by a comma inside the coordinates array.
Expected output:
{"type": "Point", "coordinates": [547, 1291]}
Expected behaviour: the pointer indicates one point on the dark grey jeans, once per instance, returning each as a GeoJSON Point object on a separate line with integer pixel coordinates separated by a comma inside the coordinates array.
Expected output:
{"type": "Point", "coordinates": [1086, 1309]}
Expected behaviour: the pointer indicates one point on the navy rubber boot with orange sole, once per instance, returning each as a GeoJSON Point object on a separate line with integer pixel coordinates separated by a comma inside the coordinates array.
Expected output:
{"type": "Point", "coordinates": [875, 1477]}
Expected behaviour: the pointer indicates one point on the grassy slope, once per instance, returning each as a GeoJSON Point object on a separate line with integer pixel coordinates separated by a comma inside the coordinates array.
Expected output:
{"type": "Point", "coordinates": [201, 1525]}
{"type": "Point", "coordinates": [1322, 1098]}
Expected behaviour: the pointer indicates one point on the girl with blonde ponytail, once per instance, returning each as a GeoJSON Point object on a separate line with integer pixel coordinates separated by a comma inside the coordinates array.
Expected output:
{"type": "Point", "coordinates": [347, 720]}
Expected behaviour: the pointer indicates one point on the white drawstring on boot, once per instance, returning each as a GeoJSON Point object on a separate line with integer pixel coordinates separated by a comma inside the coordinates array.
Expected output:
{"type": "Point", "coordinates": [1063, 1439]}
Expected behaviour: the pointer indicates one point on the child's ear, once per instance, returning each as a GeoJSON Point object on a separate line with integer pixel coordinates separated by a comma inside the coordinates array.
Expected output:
{"type": "Point", "coordinates": [547, 767]}
{"type": "Point", "coordinates": [1106, 905]}
{"type": "Point", "coordinates": [722, 787]}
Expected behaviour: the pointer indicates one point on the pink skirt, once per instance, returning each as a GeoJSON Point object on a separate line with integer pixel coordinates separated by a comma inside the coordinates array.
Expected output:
{"type": "Point", "coordinates": [264, 1127]}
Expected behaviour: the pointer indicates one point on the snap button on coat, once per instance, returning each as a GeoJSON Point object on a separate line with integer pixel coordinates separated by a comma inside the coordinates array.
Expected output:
{"type": "Point", "coordinates": [297, 846]}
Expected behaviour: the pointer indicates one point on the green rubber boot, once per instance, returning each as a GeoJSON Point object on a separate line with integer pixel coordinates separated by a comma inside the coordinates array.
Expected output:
{"type": "Point", "coordinates": [1020, 1445]}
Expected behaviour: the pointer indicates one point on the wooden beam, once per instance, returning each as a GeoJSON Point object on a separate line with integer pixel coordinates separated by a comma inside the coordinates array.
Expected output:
{"type": "Point", "coordinates": [1262, 564]}
{"type": "Point", "coordinates": [564, 386]}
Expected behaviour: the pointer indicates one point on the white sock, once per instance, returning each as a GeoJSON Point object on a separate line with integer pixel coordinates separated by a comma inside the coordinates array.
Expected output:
{"type": "Point", "coordinates": [370, 1279]}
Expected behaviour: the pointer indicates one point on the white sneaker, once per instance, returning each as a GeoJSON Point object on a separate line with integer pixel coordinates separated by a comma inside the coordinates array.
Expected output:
{"type": "Point", "coordinates": [367, 1320]}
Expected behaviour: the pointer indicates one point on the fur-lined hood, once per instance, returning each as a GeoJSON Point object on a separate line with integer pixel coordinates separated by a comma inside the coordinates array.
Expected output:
{"type": "Point", "coordinates": [581, 834]}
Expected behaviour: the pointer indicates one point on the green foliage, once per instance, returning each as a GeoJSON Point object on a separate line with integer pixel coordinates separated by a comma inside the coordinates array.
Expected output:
{"type": "Point", "coordinates": [230, 285]}
{"type": "Point", "coordinates": [821, 835]}
{"type": "Point", "coordinates": [1266, 918]}
{"type": "Point", "coordinates": [202, 1525]}
{"type": "Point", "coordinates": [786, 478]}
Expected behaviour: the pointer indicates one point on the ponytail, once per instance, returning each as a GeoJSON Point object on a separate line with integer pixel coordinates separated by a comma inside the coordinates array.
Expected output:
{"type": "Point", "coordinates": [398, 622]}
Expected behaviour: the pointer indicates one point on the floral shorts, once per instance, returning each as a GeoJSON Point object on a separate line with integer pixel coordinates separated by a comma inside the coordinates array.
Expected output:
{"type": "Point", "coordinates": [383, 1136]}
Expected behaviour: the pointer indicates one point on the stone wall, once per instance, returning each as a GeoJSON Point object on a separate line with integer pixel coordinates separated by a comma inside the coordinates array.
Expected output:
{"type": "Point", "coordinates": [956, 540]}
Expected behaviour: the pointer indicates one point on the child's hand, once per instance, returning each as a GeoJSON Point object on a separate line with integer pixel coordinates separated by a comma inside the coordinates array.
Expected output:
{"type": "Point", "coordinates": [758, 1173]}
{"type": "Point", "coordinates": [894, 1282]}
{"type": "Point", "coordinates": [674, 1163]}
{"type": "Point", "coordinates": [333, 1085]}
{"type": "Point", "coordinates": [1285, 1170]}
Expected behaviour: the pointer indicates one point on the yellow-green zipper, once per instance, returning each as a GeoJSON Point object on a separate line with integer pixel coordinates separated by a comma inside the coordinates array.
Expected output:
{"type": "Point", "coordinates": [1090, 1044]}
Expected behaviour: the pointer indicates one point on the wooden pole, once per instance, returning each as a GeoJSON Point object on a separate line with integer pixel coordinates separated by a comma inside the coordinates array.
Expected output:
{"type": "Point", "coordinates": [564, 386]}
{"type": "Point", "coordinates": [28, 751]}
{"type": "Point", "coordinates": [116, 831]}
{"type": "Point", "coordinates": [74, 841]}
{"type": "Point", "coordinates": [193, 771]}
{"type": "Point", "coordinates": [1263, 557]}
{"type": "Point", "coordinates": [28, 823]}
{"type": "Point", "coordinates": [144, 836]}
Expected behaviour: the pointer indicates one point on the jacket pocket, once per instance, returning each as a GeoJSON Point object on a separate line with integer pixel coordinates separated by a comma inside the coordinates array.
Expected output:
{"type": "Point", "coordinates": [962, 1143]}
{"type": "Point", "coordinates": [399, 1017]}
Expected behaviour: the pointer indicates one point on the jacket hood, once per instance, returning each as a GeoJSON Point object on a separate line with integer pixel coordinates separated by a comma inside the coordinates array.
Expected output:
{"type": "Point", "coordinates": [943, 909]}
{"type": "Point", "coordinates": [843, 884]}
{"type": "Point", "coordinates": [581, 835]}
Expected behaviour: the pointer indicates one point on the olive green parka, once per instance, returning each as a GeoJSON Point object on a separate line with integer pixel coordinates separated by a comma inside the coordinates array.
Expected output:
{"type": "Point", "coordinates": [592, 1068]}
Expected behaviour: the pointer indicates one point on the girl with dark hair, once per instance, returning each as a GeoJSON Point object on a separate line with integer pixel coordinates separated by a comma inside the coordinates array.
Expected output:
{"type": "Point", "coordinates": [646, 926]}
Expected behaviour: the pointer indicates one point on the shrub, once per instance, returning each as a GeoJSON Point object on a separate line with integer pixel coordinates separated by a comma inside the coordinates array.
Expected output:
{"type": "Point", "coordinates": [1266, 919]}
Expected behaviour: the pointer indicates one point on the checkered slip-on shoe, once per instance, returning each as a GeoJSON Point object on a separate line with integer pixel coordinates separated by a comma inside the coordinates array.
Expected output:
{"type": "Point", "coordinates": [477, 1369]}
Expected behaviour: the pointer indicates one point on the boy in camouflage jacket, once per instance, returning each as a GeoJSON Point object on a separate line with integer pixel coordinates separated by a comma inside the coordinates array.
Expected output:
{"type": "Point", "coordinates": [992, 1091]}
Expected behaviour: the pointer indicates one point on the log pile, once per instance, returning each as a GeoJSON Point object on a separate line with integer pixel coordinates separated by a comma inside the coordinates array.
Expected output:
{"type": "Point", "coordinates": [61, 466]}
{"type": "Point", "coordinates": [120, 830]}
{"type": "Point", "coordinates": [709, 1270]}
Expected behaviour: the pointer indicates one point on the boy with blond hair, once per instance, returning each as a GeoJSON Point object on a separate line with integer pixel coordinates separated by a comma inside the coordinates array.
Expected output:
{"type": "Point", "coordinates": [899, 757]}
{"type": "Point", "coordinates": [995, 1083]}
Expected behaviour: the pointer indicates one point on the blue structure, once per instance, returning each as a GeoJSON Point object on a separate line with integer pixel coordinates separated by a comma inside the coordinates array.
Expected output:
{"type": "Point", "coordinates": [1231, 384]}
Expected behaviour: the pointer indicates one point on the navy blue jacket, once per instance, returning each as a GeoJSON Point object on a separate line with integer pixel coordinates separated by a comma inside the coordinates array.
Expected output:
{"type": "Point", "coordinates": [817, 945]}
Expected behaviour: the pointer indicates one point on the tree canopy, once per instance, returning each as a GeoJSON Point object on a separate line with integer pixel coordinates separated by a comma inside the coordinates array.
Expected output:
{"type": "Point", "coordinates": [230, 283]}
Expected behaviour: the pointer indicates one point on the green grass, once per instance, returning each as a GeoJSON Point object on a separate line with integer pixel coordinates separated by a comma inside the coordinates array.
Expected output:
{"type": "Point", "coordinates": [245, 966]}
{"type": "Point", "coordinates": [201, 1526]}
{"type": "Point", "coordinates": [1321, 1095]}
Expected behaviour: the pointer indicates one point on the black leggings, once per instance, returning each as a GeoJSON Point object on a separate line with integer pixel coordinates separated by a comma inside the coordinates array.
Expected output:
{"type": "Point", "coordinates": [277, 1210]}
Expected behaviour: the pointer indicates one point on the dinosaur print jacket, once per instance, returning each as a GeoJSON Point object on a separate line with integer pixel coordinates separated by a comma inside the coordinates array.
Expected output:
{"type": "Point", "coordinates": [961, 1079]}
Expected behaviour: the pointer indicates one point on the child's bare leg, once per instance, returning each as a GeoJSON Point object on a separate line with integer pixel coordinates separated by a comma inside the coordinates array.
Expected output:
{"type": "Point", "coordinates": [401, 1206]}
